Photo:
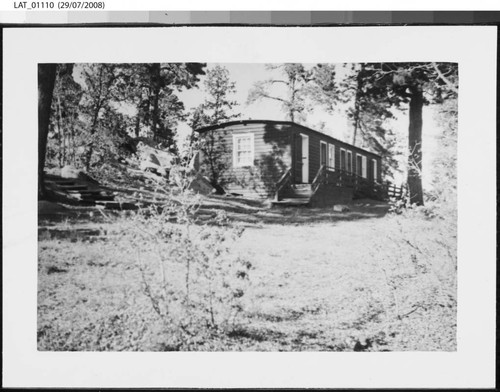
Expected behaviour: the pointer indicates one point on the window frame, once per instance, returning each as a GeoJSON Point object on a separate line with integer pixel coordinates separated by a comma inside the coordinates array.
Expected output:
{"type": "Point", "coordinates": [348, 157]}
{"type": "Point", "coordinates": [375, 170]}
{"type": "Point", "coordinates": [344, 161]}
{"type": "Point", "coordinates": [237, 136]}
{"type": "Point", "coordinates": [331, 157]}
{"type": "Point", "coordinates": [364, 163]}
{"type": "Point", "coordinates": [321, 143]}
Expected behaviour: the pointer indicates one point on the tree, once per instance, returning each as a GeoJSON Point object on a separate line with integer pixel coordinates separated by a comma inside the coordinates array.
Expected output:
{"type": "Point", "coordinates": [46, 82]}
{"type": "Point", "coordinates": [100, 82]}
{"type": "Point", "coordinates": [444, 172]}
{"type": "Point", "coordinates": [410, 83]}
{"type": "Point", "coordinates": [217, 108]}
{"type": "Point", "coordinates": [366, 109]}
{"type": "Point", "coordinates": [295, 80]}
{"type": "Point", "coordinates": [324, 88]}
{"type": "Point", "coordinates": [65, 123]}
{"type": "Point", "coordinates": [151, 90]}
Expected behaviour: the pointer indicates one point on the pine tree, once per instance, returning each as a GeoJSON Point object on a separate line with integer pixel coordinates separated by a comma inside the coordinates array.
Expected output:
{"type": "Point", "coordinates": [410, 84]}
{"type": "Point", "coordinates": [295, 80]}
{"type": "Point", "coordinates": [217, 108]}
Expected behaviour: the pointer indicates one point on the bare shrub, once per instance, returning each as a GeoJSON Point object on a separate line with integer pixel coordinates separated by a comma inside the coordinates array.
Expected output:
{"type": "Point", "coordinates": [193, 281]}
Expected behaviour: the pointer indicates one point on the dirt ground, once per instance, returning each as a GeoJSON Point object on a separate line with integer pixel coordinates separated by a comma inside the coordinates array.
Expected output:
{"type": "Point", "coordinates": [362, 280]}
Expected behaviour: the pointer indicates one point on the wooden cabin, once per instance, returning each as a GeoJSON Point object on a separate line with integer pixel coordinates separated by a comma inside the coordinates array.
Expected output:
{"type": "Point", "coordinates": [284, 160]}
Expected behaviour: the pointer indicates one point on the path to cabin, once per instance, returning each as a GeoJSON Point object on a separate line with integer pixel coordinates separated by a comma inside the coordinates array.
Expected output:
{"type": "Point", "coordinates": [322, 280]}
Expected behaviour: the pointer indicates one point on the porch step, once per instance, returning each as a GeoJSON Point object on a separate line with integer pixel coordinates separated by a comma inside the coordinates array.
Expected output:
{"type": "Point", "coordinates": [301, 186]}
{"type": "Point", "coordinates": [82, 192]}
{"type": "Point", "coordinates": [299, 191]}
{"type": "Point", "coordinates": [291, 202]}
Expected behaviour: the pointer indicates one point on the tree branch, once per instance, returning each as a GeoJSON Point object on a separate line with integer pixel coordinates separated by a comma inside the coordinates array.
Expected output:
{"type": "Point", "coordinates": [444, 78]}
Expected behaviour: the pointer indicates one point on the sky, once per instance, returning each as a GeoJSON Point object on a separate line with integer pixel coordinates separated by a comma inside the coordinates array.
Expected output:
{"type": "Point", "coordinates": [337, 125]}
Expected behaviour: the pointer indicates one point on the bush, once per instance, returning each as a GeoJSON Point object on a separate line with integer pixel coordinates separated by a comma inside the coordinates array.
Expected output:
{"type": "Point", "coordinates": [193, 281]}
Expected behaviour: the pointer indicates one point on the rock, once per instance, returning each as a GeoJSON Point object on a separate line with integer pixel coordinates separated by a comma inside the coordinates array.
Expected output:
{"type": "Point", "coordinates": [340, 208]}
{"type": "Point", "coordinates": [72, 172]}
{"type": "Point", "coordinates": [149, 166]}
{"type": "Point", "coordinates": [154, 160]}
{"type": "Point", "coordinates": [151, 158]}
{"type": "Point", "coordinates": [69, 171]}
{"type": "Point", "coordinates": [84, 176]}
{"type": "Point", "coordinates": [201, 185]}
{"type": "Point", "coordinates": [179, 174]}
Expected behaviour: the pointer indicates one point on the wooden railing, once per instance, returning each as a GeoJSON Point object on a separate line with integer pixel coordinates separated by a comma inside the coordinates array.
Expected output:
{"type": "Point", "coordinates": [393, 191]}
{"type": "Point", "coordinates": [363, 187]}
{"type": "Point", "coordinates": [284, 182]}
{"type": "Point", "coordinates": [319, 179]}
{"type": "Point", "coordinates": [339, 177]}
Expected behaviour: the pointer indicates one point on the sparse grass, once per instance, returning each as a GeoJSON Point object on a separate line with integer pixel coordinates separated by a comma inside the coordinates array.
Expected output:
{"type": "Point", "coordinates": [357, 281]}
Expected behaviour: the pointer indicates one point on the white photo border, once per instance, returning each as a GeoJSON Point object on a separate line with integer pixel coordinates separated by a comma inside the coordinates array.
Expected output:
{"type": "Point", "coordinates": [472, 47]}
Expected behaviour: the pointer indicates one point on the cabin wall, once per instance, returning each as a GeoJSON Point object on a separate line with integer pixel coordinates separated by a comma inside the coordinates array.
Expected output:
{"type": "Point", "coordinates": [314, 154]}
{"type": "Point", "coordinates": [272, 158]}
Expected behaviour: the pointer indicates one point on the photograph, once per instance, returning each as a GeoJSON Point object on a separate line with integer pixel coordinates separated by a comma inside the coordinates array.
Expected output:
{"type": "Point", "coordinates": [218, 206]}
{"type": "Point", "coordinates": [189, 203]}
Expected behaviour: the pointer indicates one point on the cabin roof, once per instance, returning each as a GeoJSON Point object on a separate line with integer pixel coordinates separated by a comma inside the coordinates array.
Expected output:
{"type": "Point", "coordinates": [291, 123]}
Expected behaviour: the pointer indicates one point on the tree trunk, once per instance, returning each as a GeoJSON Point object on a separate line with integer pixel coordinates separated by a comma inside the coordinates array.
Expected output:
{"type": "Point", "coordinates": [155, 78]}
{"type": "Point", "coordinates": [46, 82]}
{"type": "Point", "coordinates": [137, 125]}
{"type": "Point", "coordinates": [93, 129]}
{"type": "Point", "coordinates": [415, 147]}
{"type": "Point", "coordinates": [359, 85]}
{"type": "Point", "coordinates": [60, 132]}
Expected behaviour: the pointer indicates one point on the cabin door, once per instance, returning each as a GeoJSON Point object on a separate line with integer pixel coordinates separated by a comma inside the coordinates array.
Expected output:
{"type": "Point", "coordinates": [301, 166]}
{"type": "Point", "coordinates": [305, 158]}
{"type": "Point", "coordinates": [297, 159]}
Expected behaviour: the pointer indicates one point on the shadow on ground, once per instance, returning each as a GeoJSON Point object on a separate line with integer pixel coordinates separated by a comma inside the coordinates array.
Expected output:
{"type": "Point", "coordinates": [57, 220]}
{"type": "Point", "coordinates": [255, 212]}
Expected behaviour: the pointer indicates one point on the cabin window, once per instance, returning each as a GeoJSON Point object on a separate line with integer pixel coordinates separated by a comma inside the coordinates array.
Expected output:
{"type": "Point", "coordinates": [361, 165]}
{"type": "Point", "coordinates": [322, 153]}
{"type": "Point", "coordinates": [374, 166]}
{"type": "Point", "coordinates": [243, 150]}
{"type": "Point", "coordinates": [349, 161]}
{"type": "Point", "coordinates": [342, 159]}
{"type": "Point", "coordinates": [331, 156]}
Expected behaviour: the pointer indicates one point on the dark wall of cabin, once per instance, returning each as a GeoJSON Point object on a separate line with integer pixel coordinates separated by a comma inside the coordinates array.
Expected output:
{"type": "Point", "coordinates": [272, 157]}
{"type": "Point", "coordinates": [315, 140]}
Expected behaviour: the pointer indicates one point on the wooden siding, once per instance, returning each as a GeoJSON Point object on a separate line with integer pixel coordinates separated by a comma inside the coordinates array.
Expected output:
{"type": "Point", "coordinates": [273, 144]}
{"type": "Point", "coordinates": [315, 140]}
{"type": "Point", "coordinates": [272, 157]}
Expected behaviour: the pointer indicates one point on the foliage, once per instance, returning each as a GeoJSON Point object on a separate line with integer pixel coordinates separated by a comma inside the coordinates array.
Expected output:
{"type": "Point", "coordinates": [366, 109]}
{"type": "Point", "coordinates": [217, 108]}
{"type": "Point", "coordinates": [324, 88]}
{"type": "Point", "coordinates": [414, 84]}
{"type": "Point", "coordinates": [151, 89]}
{"type": "Point", "coordinates": [209, 295]}
{"type": "Point", "coordinates": [97, 107]}
{"type": "Point", "coordinates": [445, 165]}
{"type": "Point", "coordinates": [65, 125]}
{"type": "Point", "coordinates": [395, 284]}
{"type": "Point", "coordinates": [295, 79]}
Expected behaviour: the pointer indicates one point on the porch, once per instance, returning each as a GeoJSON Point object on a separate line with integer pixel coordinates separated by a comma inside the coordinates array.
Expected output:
{"type": "Point", "coordinates": [331, 186]}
